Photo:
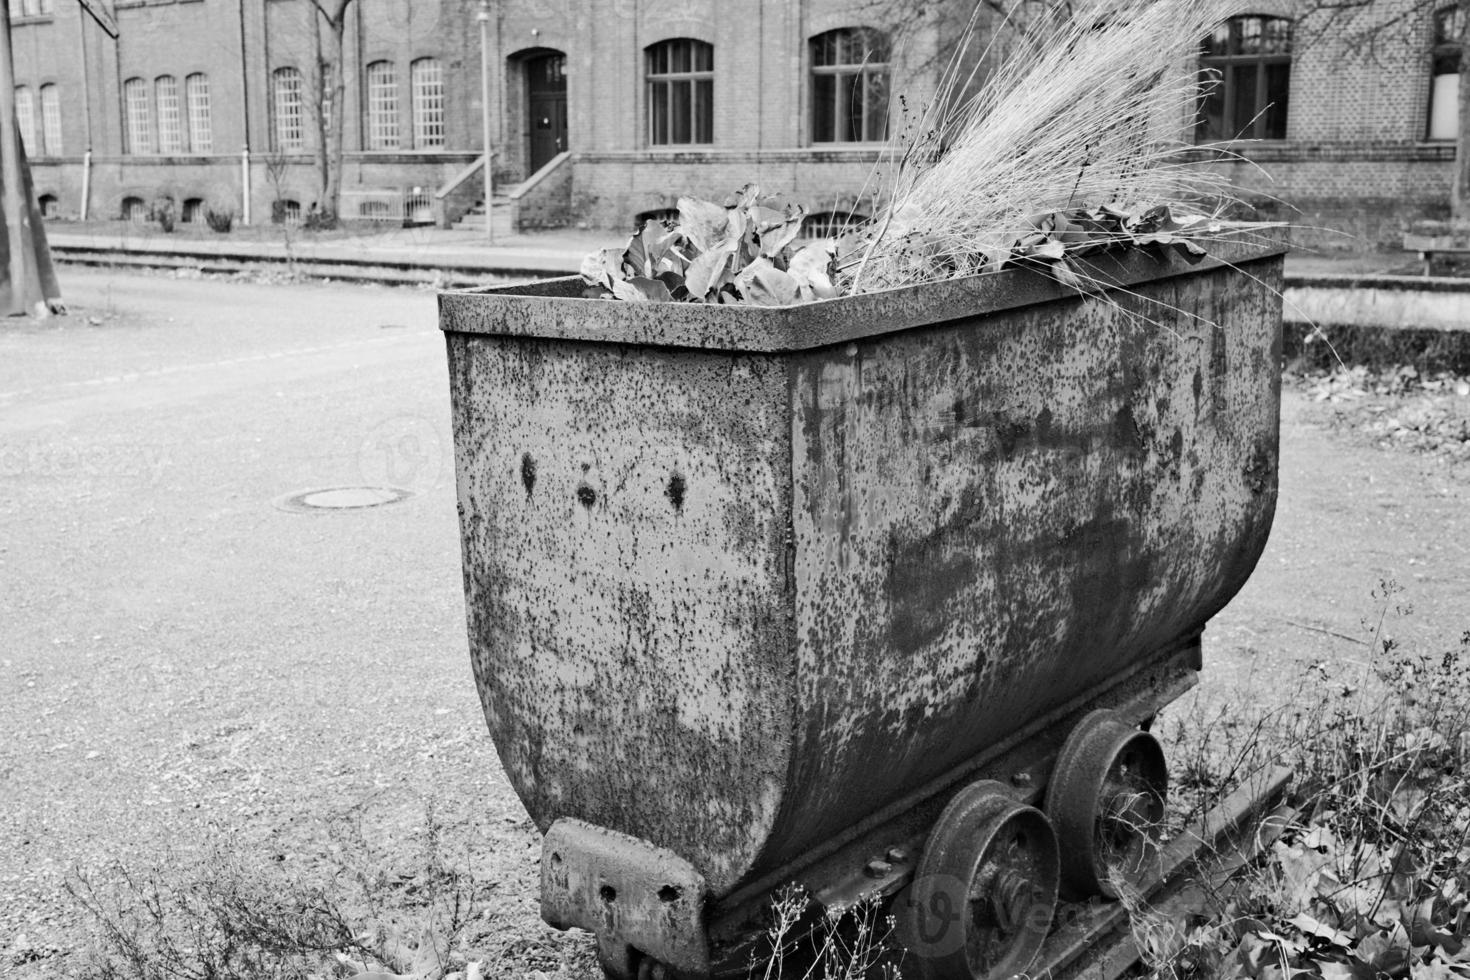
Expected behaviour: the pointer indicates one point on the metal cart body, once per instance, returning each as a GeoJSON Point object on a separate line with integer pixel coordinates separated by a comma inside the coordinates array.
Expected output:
{"type": "Point", "coordinates": [751, 587]}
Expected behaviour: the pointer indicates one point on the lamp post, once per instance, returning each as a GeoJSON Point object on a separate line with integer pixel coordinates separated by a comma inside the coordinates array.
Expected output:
{"type": "Point", "coordinates": [484, 18]}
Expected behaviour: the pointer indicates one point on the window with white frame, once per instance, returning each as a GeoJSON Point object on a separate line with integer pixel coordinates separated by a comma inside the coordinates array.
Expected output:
{"type": "Point", "coordinates": [170, 116]}
{"type": "Point", "coordinates": [850, 86]}
{"type": "Point", "coordinates": [382, 106]}
{"type": "Point", "coordinates": [288, 130]}
{"type": "Point", "coordinates": [137, 118]}
{"type": "Point", "coordinates": [196, 99]}
{"type": "Point", "coordinates": [51, 120]}
{"type": "Point", "coordinates": [25, 120]}
{"type": "Point", "coordinates": [1444, 78]}
{"type": "Point", "coordinates": [426, 79]}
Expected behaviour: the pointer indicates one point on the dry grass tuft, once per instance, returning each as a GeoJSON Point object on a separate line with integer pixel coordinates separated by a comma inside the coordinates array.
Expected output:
{"type": "Point", "coordinates": [1087, 110]}
{"type": "Point", "coordinates": [801, 943]}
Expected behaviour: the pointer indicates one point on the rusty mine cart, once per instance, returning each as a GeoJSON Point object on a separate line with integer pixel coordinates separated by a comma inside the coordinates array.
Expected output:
{"type": "Point", "coordinates": [877, 594]}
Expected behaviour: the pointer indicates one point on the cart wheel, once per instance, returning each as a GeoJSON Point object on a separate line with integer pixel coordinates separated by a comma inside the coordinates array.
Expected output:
{"type": "Point", "coordinates": [1106, 799]}
{"type": "Point", "coordinates": [984, 891]}
{"type": "Point", "coordinates": [631, 965]}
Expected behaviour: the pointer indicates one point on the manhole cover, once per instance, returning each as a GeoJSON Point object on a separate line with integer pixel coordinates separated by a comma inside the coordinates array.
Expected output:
{"type": "Point", "coordinates": [341, 498]}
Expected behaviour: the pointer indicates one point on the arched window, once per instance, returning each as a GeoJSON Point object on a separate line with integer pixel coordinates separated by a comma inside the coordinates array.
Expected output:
{"type": "Point", "coordinates": [681, 92]}
{"type": "Point", "coordinates": [375, 211]}
{"type": "Point", "coordinates": [286, 211]}
{"type": "Point", "coordinates": [288, 130]}
{"type": "Point", "coordinates": [831, 224]}
{"type": "Point", "coordinates": [382, 106]}
{"type": "Point", "coordinates": [170, 117]}
{"type": "Point", "coordinates": [193, 212]}
{"type": "Point", "coordinates": [849, 86]}
{"type": "Point", "coordinates": [1247, 68]}
{"type": "Point", "coordinates": [426, 79]}
{"type": "Point", "coordinates": [134, 210]}
{"type": "Point", "coordinates": [138, 118]}
{"type": "Point", "coordinates": [49, 205]}
{"type": "Point", "coordinates": [196, 96]}
{"type": "Point", "coordinates": [50, 120]}
{"type": "Point", "coordinates": [25, 120]}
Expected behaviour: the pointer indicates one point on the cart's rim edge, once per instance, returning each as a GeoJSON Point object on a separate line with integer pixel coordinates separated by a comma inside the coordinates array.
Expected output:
{"type": "Point", "coordinates": [554, 309]}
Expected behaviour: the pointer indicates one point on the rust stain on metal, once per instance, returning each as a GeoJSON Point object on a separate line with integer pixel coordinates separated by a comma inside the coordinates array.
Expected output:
{"type": "Point", "coordinates": [993, 516]}
{"type": "Point", "coordinates": [624, 521]}
{"type": "Point", "coordinates": [732, 601]}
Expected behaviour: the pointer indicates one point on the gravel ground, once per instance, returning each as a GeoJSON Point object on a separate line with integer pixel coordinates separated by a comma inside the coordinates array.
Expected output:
{"type": "Point", "coordinates": [183, 663]}
{"type": "Point", "coordinates": [187, 669]}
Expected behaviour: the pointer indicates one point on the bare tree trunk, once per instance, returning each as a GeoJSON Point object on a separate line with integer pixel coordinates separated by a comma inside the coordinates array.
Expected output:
{"type": "Point", "coordinates": [1460, 187]}
{"type": "Point", "coordinates": [330, 89]}
{"type": "Point", "coordinates": [319, 106]}
{"type": "Point", "coordinates": [27, 279]}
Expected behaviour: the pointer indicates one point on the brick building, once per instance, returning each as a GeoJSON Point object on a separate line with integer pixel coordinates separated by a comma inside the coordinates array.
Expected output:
{"type": "Point", "coordinates": [606, 109]}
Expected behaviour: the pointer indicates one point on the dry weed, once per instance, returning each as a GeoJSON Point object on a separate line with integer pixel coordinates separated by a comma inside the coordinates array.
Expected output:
{"type": "Point", "coordinates": [1374, 877]}
{"type": "Point", "coordinates": [1087, 111]}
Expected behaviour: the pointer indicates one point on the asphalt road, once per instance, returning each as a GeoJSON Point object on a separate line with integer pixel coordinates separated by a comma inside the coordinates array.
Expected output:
{"type": "Point", "coordinates": [182, 656]}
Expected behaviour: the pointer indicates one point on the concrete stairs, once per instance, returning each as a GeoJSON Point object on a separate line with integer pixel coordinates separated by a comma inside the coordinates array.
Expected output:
{"type": "Point", "coordinates": [474, 218]}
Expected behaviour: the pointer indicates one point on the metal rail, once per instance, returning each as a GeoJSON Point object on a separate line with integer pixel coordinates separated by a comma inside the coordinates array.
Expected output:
{"type": "Point", "coordinates": [373, 270]}
{"type": "Point", "coordinates": [1096, 941]}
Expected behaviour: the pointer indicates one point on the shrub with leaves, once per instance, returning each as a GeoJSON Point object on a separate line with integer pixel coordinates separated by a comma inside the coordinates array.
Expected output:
{"type": "Point", "coordinates": [741, 251]}
{"type": "Point", "coordinates": [1373, 879]}
{"type": "Point", "coordinates": [219, 221]}
{"type": "Point", "coordinates": [163, 212]}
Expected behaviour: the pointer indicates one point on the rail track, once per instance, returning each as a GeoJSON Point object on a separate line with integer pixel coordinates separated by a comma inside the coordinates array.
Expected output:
{"type": "Point", "coordinates": [369, 269]}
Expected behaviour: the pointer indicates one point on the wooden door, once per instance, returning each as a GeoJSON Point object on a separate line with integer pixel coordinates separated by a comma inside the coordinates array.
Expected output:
{"type": "Point", "coordinates": [546, 108]}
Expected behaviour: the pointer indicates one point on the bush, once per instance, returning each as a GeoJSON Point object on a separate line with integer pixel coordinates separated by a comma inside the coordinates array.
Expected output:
{"type": "Point", "coordinates": [163, 213]}
{"type": "Point", "coordinates": [220, 221]}
{"type": "Point", "coordinates": [316, 220]}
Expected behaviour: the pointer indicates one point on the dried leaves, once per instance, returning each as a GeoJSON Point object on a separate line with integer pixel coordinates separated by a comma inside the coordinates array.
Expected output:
{"type": "Point", "coordinates": [1363, 911]}
{"type": "Point", "coordinates": [739, 252]}
{"type": "Point", "coordinates": [1400, 408]}
{"type": "Point", "coordinates": [1083, 231]}
{"type": "Point", "coordinates": [743, 252]}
